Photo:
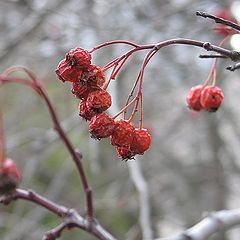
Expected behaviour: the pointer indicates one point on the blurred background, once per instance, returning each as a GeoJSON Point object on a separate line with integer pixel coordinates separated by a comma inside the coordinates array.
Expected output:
{"type": "Point", "coordinates": [193, 165]}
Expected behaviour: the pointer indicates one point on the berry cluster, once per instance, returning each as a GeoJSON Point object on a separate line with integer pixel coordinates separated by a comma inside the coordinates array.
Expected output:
{"type": "Point", "coordinates": [205, 97]}
{"type": "Point", "coordinates": [10, 176]}
{"type": "Point", "coordinates": [87, 82]}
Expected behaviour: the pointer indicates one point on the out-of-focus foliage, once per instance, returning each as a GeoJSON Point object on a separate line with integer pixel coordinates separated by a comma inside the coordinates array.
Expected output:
{"type": "Point", "coordinates": [193, 165]}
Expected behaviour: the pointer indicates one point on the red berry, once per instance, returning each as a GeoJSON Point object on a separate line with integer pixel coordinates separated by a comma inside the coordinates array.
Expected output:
{"type": "Point", "coordinates": [84, 112]}
{"type": "Point", "coordinates": [101, 126]}
{"type": "Point", "coordinates": [67, 73]}
{"type": "Point", "coordinates": [125, 153]}
{"type": "Point", "coordinates": [93, 76]}
{"type": "Point", "coordinates": [123, 133]}
{"type": "Point", "coordinates": [211, 98]}
{"type": "Point", "coordinates": [78, 57]}
{"type": "Point", "coordinates": [98, 101]}
{"type": "Point", "coordinates": [193, 98]}
{"type": "Point", "coordinates": [141, 141]}
{"type": "Point", "coordinates": [80, 91]}
{"type": "Point", "coordinates": [10, 176]}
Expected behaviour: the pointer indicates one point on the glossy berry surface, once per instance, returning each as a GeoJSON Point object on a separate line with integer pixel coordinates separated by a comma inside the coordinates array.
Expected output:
{"type": "Point", "coordinates": [125, 153]}
{"type": "Point", "coordinates": [98, 101]}
{"type": "Point", "coordinates": [84, 112]}
{"type": "Point", "coordinates": [141, 141]}
{"type": "Point", "coordinates": [67, 73]}
{"type": "Point", "coordinates": [193, 98]}
{"type": "Point", "coordinates": [78, 57]}
{"type": "Point", "coordinates": [123, 133]}
{"type": "Point", "coordinates": [101, 126]}
{"type": "Point", "coordinates": [211, 98]}
{"type": "Point", "coordinates": [10, 176]}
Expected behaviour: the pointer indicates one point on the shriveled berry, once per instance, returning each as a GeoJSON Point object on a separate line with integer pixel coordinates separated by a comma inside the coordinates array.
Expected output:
{"type": "Point", "coordinates": [123, 133]}
{"type": "Point", "coordinates": [93, 76]}
{"type": "Point", "coordinates": [80, 91]}
{"type": "Point", "coordinates": [141, 141]}
{"type": "Point", "coordinates": [78, 57]}
{"type": "Point", "coordinates": [193, 98]}
{"type": "Point", "coordinates": [10, 176]}
{"type": "Point", "coordinates": [211, 98]}
{"type": "Point", "coordinates": [125, 153]}
{"type": "Point", "coordinates": [101, 126]}
{"type": "Point", "coordinates": [67, 73]}
{"type": "Point", "coordinates": [98, 101]}
{"type": "Point", "coordinates": [84, 112]}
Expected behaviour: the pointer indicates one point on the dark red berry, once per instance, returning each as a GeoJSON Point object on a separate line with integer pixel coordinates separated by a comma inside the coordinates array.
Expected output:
{"type": "Point", "coordinates": [67, 73]}
{"type": "Point", "coordinates": [193, 98]}
{"type": "Point", "coordinates": [101, 126]}
{"type": "Point", "coordinates": [93, 76]}
{"type": "Point", "coordinates": [211, 98]}
{"type": "Point", "coordinates": [10, 176]}
{"type": "Point", "coordinates": [78, 57]}
{"type": "Point", "coordinates": [141, 141]}
{"type": "Point", "coordinates": [123, 133]}
{"type": "Point", "coordinates": [84, 112]}
{"type": "Point", "coordinates": [80, 91]}
{"type": "Point", "coordinates": [125, 153]}
{"type": "Point", "coordinates": [98, 101]}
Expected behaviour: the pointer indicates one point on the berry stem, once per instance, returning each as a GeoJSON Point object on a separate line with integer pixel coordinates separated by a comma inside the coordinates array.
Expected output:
{"type": "Point", "coordinates": [2, 141]}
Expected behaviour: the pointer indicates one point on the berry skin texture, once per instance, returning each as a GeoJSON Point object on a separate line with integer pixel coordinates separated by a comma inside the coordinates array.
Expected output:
{"type": "Point", "coordinates": [79, 58]}
{"type": "Point", "coordinates": [211, 98]}
{"type": "Point", "coordinates": [10, 176]}
{"type": "Point", "coordinates": [193, 98]}
{"type": "Point", "coordinates": [67, 73]}
{"type": "Point", "coordinates": [125, 153]}
{"type": "Point", "coordinates": [141, 141]}
{"type": "Point", "coordinates": [101, 126]}
{"type": "Point", "coordinates": [80, 91]}
{"type": "Point", "coordinates": [123, 134]}
{"type": "Point", "coordinates": [98, 101]}
{"type": "Point", "coordinates": [84, 112]}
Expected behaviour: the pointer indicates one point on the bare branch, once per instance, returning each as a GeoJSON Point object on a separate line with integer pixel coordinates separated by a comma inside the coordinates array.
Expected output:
{"type": "Point", "coordinates": [234, 67]}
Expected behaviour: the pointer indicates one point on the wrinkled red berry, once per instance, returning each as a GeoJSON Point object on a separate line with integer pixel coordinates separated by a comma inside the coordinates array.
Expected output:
{"type": "Point", "coordinates": [67, 73]}
{"type": "Point", "coordinates": [211, 98]}
{"type": "Point", "coordinates": [221, 28]}
{"type": "Point", "coordinates": [78, 57]}
{"type": "Point", "coordinates": [84, 112]}
{"type": "Point", "coordinates": [193, 98]}
{"type": "Point", "coordinates": [125, 153]}
{"type": "Point", "coordinates": [80, 91]}
{"type": "Point", "coordinates": [98, 101]}
{"type": "Point", "coordinates": [101, 126]}
{"type": "Point", "coordinates": [93, 76]}
{"type": "Point", "coordinates": [10, 176]}
{"type": "Point", "coordinates": [123, 133]}
{"type": "Point", "coordinates": [141, 141]}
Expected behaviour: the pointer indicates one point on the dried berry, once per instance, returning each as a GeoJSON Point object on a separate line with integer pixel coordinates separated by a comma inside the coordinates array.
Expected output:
{"type": "Point", "coordinates": [125, 153]}
{"type": "Point", "coordinates": [10, 176]}
{"type": "Point", "coordinates": [98, 101]}
{"type": "Point", "coordinates": [193, 98]}
{"type": "Point", "coordinates": [141, 141]}
{"type": "Point", "coordinates": [211, 98]}
{"type": "Point", "coordinates": [78, 57]}
{"type": "Point", "coordinates": [93, 76]}
{"type": "Point", "coordinates": [67, 73]}
{"type": "Point", "coordinates": [80, 91]}
{"type": "Point", "coordinates": [123, 133]}
{"type": "Point", "coordinates": [84, 112]}
{"type": "Point", "coordinates": [101, 126]}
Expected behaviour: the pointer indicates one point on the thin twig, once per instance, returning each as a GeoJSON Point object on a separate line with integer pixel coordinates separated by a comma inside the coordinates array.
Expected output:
{"type": "Point", "coordinates": [212, 56]}
{"type": "Point", "coordinates": [234, 67]}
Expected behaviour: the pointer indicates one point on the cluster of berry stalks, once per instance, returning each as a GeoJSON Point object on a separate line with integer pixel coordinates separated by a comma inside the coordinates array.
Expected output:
{"type": "Point", "coordinates": [89, 85]}
{"type": "Point", "coordinates": [208, 98]}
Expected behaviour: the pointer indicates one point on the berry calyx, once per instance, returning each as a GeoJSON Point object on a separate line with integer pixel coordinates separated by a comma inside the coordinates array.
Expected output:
{"type": "Point", "coordinates": [10, 176]}
{"type": "Point", "coordinates": [141, 141]}
{"type": "Point", "coordinates": [211, 98]}
{"type": "Point", "coordinates": [123, 134]}
{"type": "Point", "coordinates": [193, 98]}
{"type": "Point", "coordinates": [101, 126]}
{"type": "Point", "coordinates": [98, 101]}
{"type": "Point", "coordinates": [67, 73]}
{"type": "Point", "coordinates": [78, 57]}
{"type": "Point", "coordinates": [125, 153]}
